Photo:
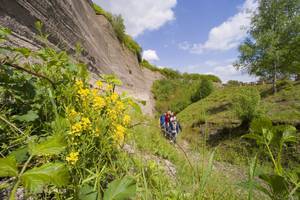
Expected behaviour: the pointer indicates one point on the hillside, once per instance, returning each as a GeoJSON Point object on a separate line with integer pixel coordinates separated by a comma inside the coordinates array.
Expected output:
{"type": "Point", "coordinates": [215, 119]}
{"type": "Point", "coordinates": [71, 22]}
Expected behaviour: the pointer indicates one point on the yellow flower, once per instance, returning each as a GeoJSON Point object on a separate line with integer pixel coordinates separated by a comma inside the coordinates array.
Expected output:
{"type": "Point", "coordinates": [83, 93]}
{"type": "Point", "coordinates": [119, 134]}
{"type": "Point", "coordinates": [72, 157]}
{"type": "Point", "coordinates": [99, 83]}
{"type": "Point", "coordinates": [99, 102]}
{"type": "Point", "coordinates": [79, 83]}
{"type": "Point", "coordinates": [114, 97]}
{"type": "Point", "coordinates": [112, 114]}
{"type": "Point", "coordinates": [120, 106]}
{"type": "Point", "coordinates": [94, 92]}
{"type": "Point", "coordinates": [76, 129]}
{"type": "Point", "coordinates": [97, 132]}
{"type": "Point", "coordinates": [85, 123]}
{"type": "Point", "coordinates": [126, 120]}
{"type": "Point", "coordinates": [72, 113]}
{"type": "Point", "coordinates": [109, 87]}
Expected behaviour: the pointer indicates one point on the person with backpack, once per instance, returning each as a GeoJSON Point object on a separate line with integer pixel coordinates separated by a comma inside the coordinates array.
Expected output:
{"type": "Point", "coordinates": [162, 121]}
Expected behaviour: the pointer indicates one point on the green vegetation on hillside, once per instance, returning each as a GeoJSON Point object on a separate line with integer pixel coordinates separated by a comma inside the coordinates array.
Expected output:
{"type": "Point", "coordinates": [117, 23]}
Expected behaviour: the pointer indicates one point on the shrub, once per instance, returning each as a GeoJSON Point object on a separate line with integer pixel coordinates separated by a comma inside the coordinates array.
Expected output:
{"type": "Point", "coordinates": [56, 131]}
{"type": "Point", "coordinates": [99, 11]}
{"type": "Point", "coordinates": [206, 88]}
{"type": "Point", "coordinates": [117, 23]}
{"type": "Point", "coordinates": [247, 104]}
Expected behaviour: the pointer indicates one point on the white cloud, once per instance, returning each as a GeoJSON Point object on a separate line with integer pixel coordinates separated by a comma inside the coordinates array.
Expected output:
{"type": "Point", "coordinates": [150, 55]}
{"type": "Point", "coordinates": [223, 69]}
{"type": "Point", "coordinates": [141, 15]}
{"type": "Point", "coordinates": [227, 35]}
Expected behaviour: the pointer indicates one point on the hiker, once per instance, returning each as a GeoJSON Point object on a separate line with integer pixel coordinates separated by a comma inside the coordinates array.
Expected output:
{"type": "Point", "coordinates": [162, 121]}
{"type": "Point", "coordinates": [167, 120]}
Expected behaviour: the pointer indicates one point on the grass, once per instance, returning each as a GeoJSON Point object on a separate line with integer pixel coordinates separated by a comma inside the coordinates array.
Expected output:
{"type": "Point", "coordinates": [189, 182]}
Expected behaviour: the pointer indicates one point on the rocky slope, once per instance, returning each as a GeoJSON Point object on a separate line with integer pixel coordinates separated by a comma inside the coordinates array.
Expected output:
{"type": "Point", "coordinates": [72, 21]}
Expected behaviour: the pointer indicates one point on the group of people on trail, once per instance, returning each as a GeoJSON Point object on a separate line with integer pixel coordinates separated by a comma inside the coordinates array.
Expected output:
{"type": "Point", "coordinates": [169, 125]}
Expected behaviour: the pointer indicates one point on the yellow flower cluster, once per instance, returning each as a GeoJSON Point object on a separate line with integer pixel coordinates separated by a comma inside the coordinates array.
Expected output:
{"type": "Point", "coordinates": [99, 84]}
{"type": "Point", "coordinates": [83, 93]}
{"type": "Point", "coordinates": [114, 97]}
{"type": "Point", "coordinates": [83, 125]}
{"type": "Point", "coordinates": [126, 120]}
{"type": "Point", "coordinates": [79, 83]}
{"type": "Point", "coordinates": [72, 158]}
{"type": "Point", "coordinates": [112, 114]}
{"type": "Point", "coordinates": [99, 102]}
{"type": "Point", "coordinates": [119, 134]}
{"type": "Point", "coordinates": [72, 113]}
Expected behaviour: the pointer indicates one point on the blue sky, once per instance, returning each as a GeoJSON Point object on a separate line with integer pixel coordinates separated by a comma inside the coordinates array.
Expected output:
{"type": "Point", "coordinates": [196, 36]}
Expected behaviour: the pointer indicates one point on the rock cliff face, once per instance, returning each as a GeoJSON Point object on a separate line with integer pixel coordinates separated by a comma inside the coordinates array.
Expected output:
{"type": "Point", "coordinates": [72, 21]}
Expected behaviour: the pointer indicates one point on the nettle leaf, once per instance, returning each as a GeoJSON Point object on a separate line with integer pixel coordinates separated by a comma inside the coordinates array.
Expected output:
{"type": "Point", "coordinates": [86, 192]}
{"type": "Point", "coordinates": [48, 174]}
{"type": "Point", "coordinates": [8, 167]}
{"type": "Point", "coordinates": [289, 135]}
{"type": "Point", "coordinates": [278, 186]}
{"type": "Point", "coordinates": [30, 116]}
{"type": "Point", "coordinates": [19, 154]}
{"type": "Point", "coordinates": [120, 189]}
{"type": "Point", "coordinates": [53, 145]}
{"type": "Point", "coordinates": [259, 139]}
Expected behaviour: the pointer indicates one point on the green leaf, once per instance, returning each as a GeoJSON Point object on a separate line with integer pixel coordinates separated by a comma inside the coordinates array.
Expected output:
{"type": "Point", "coordinates": [24, 51]}
{"type": "Point", "coordinates": [256, 137]}
{"type": "Point", "coordinates": [289, 135]}
{"type": "Point", "coordinates": [86, 192]}
{"type": "Point", "coordinates": [48, 174]}
{"type": "Point", "coordinates": [53, 145]}
{"type": "Point", "coordinates": [8, 167]}
{"type": "Point", "coordinates": [278, 186]}
{"type": "Point", "coordinates": [120, 189]}
{"type": "Point", "coordinates": [19, 154]}
{"type": "Point", "coordinates": [30, 116]}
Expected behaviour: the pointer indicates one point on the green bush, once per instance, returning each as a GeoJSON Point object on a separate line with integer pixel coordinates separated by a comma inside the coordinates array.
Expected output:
{"type": "Point", "coordinates": [206, 88]}
{"type": "Point", "coordinates": [247, 104]}
{"type": "Point", "coordinates": [119, 28]}
{"type": "Point", "coordinates": [99, 11]}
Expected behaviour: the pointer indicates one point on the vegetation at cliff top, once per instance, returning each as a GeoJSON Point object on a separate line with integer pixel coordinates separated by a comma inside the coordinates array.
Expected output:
{"type": "Point", "coordinates": [117, 23]}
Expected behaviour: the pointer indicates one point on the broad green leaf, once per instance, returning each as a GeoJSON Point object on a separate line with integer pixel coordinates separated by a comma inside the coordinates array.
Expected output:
{"type": "Point", "coordinates": [289, 135]}
{"type": "Point", "coordinates": [268, 135]}
{"type": "Point", "coordinates": [86, 192]}
{"type": "Point", "coordinates": [120, 189]}
{"type": "Point", "coordinates": [48, 174]}
{"type": "Point", "coordinates": [28, 117]}
{"type": "Point", "coordinates": [8, 167]}
{"type": "Point", "coordinates": [256, 137]}
{"type": "Point", "coordinates": [277, 184]}
{"type": "Point", "coordinates": [19, 154]}
{"type": "Point", "coordinates": [53, 145]}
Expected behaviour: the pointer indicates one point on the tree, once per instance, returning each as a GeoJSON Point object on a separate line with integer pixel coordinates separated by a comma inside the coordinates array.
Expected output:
{"type": "Point", "coordinates": [272, 48]}
{"type": "Point", "coordinates": [206, 87]}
